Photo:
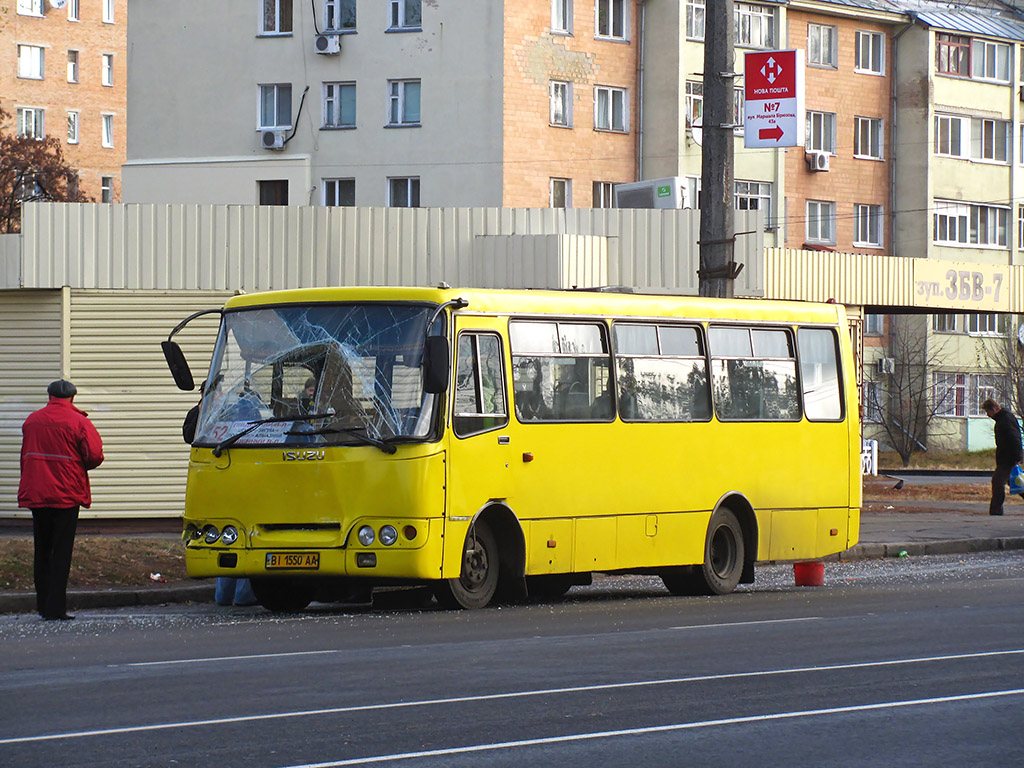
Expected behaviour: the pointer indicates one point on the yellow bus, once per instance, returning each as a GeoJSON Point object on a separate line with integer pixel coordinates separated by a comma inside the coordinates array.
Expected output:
{"type": "Point", "coordinates": [505, 444]}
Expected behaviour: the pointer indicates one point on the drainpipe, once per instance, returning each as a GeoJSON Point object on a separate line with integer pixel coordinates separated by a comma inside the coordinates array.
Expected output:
{"type": "Point", "coordinates": [893, 143]}
{"type": "Point", "coordinates": [639, 165]}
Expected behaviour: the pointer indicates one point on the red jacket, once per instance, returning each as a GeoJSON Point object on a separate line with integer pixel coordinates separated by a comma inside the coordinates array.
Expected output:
{"type": "Point", "coordinates": [59, 446]}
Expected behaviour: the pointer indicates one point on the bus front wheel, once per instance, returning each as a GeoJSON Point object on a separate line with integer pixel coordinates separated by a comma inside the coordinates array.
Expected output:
{"type": "Point", "coordinates": [283, 595]}
{"type": "Point", "coordinates": [723, 560]}
{"type": "Point", "coordinates": [479, 578]}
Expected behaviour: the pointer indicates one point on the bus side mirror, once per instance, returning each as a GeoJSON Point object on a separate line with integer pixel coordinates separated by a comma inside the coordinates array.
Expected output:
{"type": "Point", "coordinates": [436, 365]}
{"type": "Point", "coordinates": [179, 365]}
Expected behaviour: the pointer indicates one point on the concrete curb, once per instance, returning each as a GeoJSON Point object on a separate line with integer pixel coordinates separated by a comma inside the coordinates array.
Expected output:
{"type": "Point", "coordinates": [944, 547]}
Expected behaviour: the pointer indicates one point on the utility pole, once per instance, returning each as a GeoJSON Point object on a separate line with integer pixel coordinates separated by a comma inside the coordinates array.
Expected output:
{"type": "Point", "coordinates": [718, 270]}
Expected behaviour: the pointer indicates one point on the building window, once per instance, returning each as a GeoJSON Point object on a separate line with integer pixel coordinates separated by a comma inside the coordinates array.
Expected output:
{"type": "Point", "coordinates": [874, 324]}
{"type": "Point", "coordinates": [612, 19]}
{"type": "Point", "coordinates": [821, 45]}
{"type": "Point", "coordinates": [561, 17]}
{"type": "Point", "coordinates": [108, 11]}
{"type": "Point", "coordinates": [30, 7]}
{"type": "Point", "coordinates": [108, 69]}
{"type": "Point", "coordinates": [949, 391]}
{"type": "Point", "coordinates": [72, 66]}
{"type": "Point", "coordinates": [560, 193]}
{"type": "Point", "coordinates": [339, 108]}
{"type": "Point", "coordinates": [339, 192]}
{"type": "Point", "coordinates": [867, 226]}
{"type": "Point", "coordinates": [867, 137]}
{"type": "Point", "coordinates": [72, 10]}
{"type": "Point", "coordinates": [990, 61]}
{"type": "Point", "coordinates": [945, 323]}
{"type": "Point", "coordinates": [610, 109]}
{"type": "Point", "coordinates": [604, 194]}
{"type": "Point", "coordinates": [1020, 227]}
{"type": "Point", "coordinates": [694, 102]}
{"type": "Point", "coordinates": [953, 54]}
{"type": "Point", "coordinates": [405, 14]}
{"type": "Point", "coordinates": [277, 17]}
{"type": "Point", "coordinates": [948, 135]}
{"type": "Point", "coordinates": [821, 217]}
{"type": "Point", "coordinates": [990, 140]}
{"type": "Point", "coordinates": [560, 108]}
{"type": "Point", "coordinates": [106, 189]}
{"type": "Point", "coordinates": [870, 53]}
{"type": "Point", "coordinates": [31, 122]}
{"type": "Point", "coordinates": [984, 324]}
{"type": "Point", "coordinates": [403, 102]}
{"type": "Point", "coordinates": [30, 62]}
{"type": "Point", "coordinates": [821, 132]}
{"type": "Point", "coordinates": [696, 13]}
{"type": "Point", "coordinates": [969, 224]}
{"type": "Point", "coordinates": [873, 394]}
{"type": "Point", "coordinates": [404, 193]}
{"type": "Point", "coordinates": [755, 196]}
{"type": "Point", "coordinates": [72, 127]}
{"type": "Point", "coordinates": [108, 130]}
{"type": "Point", "coordinates": [339, 15]}
{"type": "Point", "coordinates": [273, 192]}
{"type": "Point", "coordinates": [755, 25]}
{"type": "Point", "coordinates": [275, 106]}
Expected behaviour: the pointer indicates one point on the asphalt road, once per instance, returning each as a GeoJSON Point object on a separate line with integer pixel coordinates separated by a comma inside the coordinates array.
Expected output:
{"type": "Point", "coordinates": [911, 661]}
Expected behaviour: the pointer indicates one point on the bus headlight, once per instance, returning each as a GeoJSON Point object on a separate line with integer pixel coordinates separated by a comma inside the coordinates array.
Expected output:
{"type": "Point", "coordinates": [191, 532]}
{"type": "Point", "coordinates": [210, 534]}
{"type": "Point", "coordinates": [388, 535]}
{"type": "Point", "coordinates": [229, 535]}
{"type": "Point", "coordinates": [365, 535]}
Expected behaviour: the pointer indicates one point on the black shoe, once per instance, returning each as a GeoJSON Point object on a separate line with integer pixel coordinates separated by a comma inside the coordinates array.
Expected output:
{"type": "Point", "coordinates": [995, 514]}
{"type": "Point", "coordinates": [62, 617]}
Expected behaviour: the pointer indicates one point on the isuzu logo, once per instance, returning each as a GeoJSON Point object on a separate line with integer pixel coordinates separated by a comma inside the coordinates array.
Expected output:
{"type": "Point", "coordinates": [309, 455]}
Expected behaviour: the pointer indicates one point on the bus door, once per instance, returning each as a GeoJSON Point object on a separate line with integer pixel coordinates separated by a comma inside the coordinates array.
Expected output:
{"type": "Point", "coordinates": [480, 450]}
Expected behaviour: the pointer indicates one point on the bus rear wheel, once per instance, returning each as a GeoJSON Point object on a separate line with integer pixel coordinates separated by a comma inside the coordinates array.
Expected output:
{"type": "Point", "coordinates": [283, 595]}
{"type": "Point", "coordinates": [723, 560]}
{"type": "Point", "coordinates": [479, 578]}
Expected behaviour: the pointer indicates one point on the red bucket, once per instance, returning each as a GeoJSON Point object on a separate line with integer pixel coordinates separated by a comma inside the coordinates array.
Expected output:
{"type": "Point", "coordinates": [809, 574]}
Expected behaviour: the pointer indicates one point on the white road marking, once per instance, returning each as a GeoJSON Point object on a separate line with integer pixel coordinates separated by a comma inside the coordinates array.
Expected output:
{"type": "Point", "coordinates": [748, 623]}
{"type": "Point", "coordinates": [222, 658]}
{"type": "Point", "coordinates": [500, 696]}
{"type": "Point", "coordinates": [657, 729]}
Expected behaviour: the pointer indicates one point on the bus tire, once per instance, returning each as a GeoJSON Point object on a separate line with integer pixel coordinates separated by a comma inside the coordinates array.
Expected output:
{"type": "Point", "coordinates": [283, 595]}
{"type": "Point", "coordinates": [479, 577]}
{"type": "Point", "coordinates": [723, 560]}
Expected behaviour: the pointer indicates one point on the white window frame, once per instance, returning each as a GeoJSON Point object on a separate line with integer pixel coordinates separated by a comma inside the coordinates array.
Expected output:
{"type": "Point", "coordinates": [754, 196]}
{"type": "Point", "coordinates": [34, 115]}
{"type": "Point", "coordinates": [616, 24]}
{"type": "Point", "coordinates": [31, 62]}
{"type": "Point", "coordinates": [991, 140]}
{"type": "Point", "coordinates": [982, 324]}
{"type": "Point", "coordinates": [561, 17]}
{"type": "Point", "coordinates": [869, 47]}
{"type": "Point", "coordinates": [566, 191]}
{"type": "Point", "coordinates": [399, 14]}
{"type": "Point", "coordinates": [694, 101]}
{"type": "Point", "coordinates": [821, 131]}
{"type": "Point", "coordinates": [944, 383]}
{"type": "Point", "coordinates": [333, 14]}
{"type": "Point", "coordinates": [867, 225]}
{"type": "Point", "coordinates": [30, 7]}
{"type": "Point", "coordinates": [331, 188]}
{"type": "Point", "coordinates": [946, 322]}
{"type": "Point", "coordinates": [696, 19]}
{"type": "Point", "coordinates": [106, 189]}
{"type": "Point", "coordinates": [970, 225]}
{"type": "Point", "coordinates": [874, 391]}
{"type": "Point", "coordinates": [73, 10]}
{"type": "Point", "coordinates": [822, 46]}
{"type": "Point", "coordinates": [821, 222]}
{"type": "Point", "coordinates": [739, 100]}
{"type": "Point", "coordinates": [868, 134]}
{"type": "Point", "coordinates": [108, 11]}
{"type": "Point", "coordinates": [950, 140]}
{"type": "Point", "coordinates": [331, 107]}
{"type": "Point", "coordinates": [604, 194]}
{"type": "Point", "coordinates": [73, 65]}
{"type": "Point", "coordinates": [950, 222]}
{"type": "Point", "coordinates": [560, 104]}
{"type": "Point", "coordinates": [990, 61]}
{"type": "Point", "coordinates": [412, 189]}
{"type": "Point", "coordinates": [107, 129]}
{"type": "Point", "coordinates": [276, 89]}
{"type": "Point", "coordinates": [874, 324]}
{"type": "Point", "coordinates": [755, 25]}
{"type": "Point", "coordinates": [399, 102]}
{"type": "Point", "coordinates": [280, 21]}
{"type": "Point", "coordinates": [107, 69]}
{"type": "Point", "coordinates": [73, 124]}
{"type": "Point", "coordinates": [1020, 227]}
{"type": "Point", "coordinates": [605, 119]}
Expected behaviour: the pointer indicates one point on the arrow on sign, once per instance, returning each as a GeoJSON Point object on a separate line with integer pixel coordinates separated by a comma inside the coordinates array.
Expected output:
{"type": "Point", "coordinates": [775, 132]}
{"type": "Point", "coordinates": [771, 71]}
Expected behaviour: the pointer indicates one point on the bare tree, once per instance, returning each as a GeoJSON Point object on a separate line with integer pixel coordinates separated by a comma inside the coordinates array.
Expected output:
{"type": "Point", "coordinates": [903, 402]}
{"type": "Point", "coordinates": [1003, 355]}
{"type": "Point", "coordinates": [32, 170]}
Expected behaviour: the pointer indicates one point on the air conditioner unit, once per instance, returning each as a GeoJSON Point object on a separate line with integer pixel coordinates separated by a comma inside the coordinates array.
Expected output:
{"type": "Point", "coordinates": [327, 44]}
{"type": "Point", "coordinates": [886, 365]}
{"type": "Point", "coordinates": [817, 161]}
{"type": "Point", "coordinates": [272, 139]}
{"type": "Point", "coordinates": [669, 192]}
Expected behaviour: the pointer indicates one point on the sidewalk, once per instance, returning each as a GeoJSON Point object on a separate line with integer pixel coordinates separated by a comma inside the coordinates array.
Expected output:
{"type": "Point", "coordinates": [944, 528]}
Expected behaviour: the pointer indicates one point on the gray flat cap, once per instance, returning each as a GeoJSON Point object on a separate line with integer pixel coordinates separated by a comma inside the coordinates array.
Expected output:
{"type": "Point", "coordinates": [62, 388]}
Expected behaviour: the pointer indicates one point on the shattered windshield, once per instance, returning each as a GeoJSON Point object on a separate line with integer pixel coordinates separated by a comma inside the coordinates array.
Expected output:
{"type": "Point", "coordinates": [326, 374]}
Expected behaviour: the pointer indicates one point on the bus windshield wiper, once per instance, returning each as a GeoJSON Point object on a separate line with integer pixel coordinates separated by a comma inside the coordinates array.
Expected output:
{"type": "Point", "coordinates": [359, 433]}
{"type": "Point", "coordinates": [219, 448]}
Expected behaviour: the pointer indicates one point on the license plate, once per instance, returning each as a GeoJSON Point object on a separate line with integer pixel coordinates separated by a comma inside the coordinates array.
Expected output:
{"type": "Point", "coordinates": [295, 560]}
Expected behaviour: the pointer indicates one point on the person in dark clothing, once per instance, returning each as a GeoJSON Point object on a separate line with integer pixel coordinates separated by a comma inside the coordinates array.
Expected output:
{"type": "Point", "coordinates": [59, 447]}
{"type": "Point", "coordinates": [1008, 452]}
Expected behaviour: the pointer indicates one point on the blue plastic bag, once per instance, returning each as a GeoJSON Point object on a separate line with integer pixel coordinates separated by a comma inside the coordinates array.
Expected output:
{"type": "Point", "coordinates": [1016, 479]}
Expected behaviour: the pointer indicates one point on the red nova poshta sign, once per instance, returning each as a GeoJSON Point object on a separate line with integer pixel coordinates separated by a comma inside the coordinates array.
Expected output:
{"type": "Point", "coordinates": [773, 89]}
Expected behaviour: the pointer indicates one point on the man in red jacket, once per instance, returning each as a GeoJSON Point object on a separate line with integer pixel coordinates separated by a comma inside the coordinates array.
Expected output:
{"type": "Point", "coordinates": [59, 446]}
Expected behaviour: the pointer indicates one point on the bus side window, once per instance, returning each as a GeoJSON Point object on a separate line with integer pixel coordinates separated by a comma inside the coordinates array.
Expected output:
{"type": "Point", "coordinates": [819, 374]}
{"type": "Point", "coordinates": [479, 385]}
{"type": "Point", "coordinates": [753, 374]}
{"type": "Point", "coordinates": [661, 372]}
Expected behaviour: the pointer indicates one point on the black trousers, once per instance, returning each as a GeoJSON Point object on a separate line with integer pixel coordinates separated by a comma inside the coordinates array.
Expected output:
{"type": "Point", "coordinates": [999, 480]}
{"type": "Point", "coordinates": [54, 533]}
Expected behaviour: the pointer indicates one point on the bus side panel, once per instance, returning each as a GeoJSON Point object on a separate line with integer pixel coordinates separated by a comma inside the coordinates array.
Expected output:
{"type": "Point", "coordinates": [596, 546]}
{"type": "Point", "coordinates": [665, 539]}
{"type": "Point", "coordinates": [549, 546]}
{"type": "Point", "coordinates": [798, 534]}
